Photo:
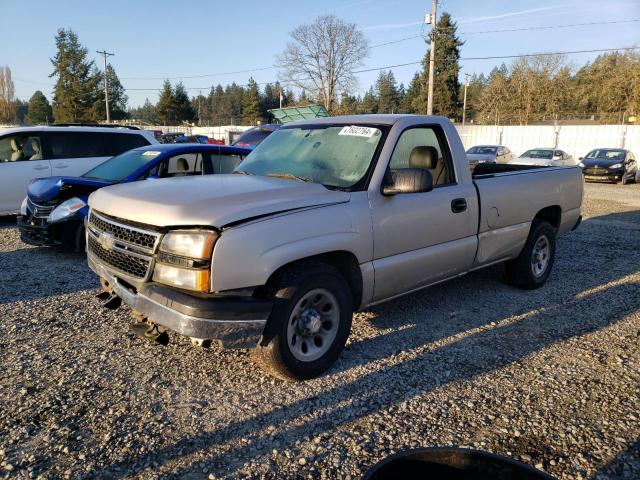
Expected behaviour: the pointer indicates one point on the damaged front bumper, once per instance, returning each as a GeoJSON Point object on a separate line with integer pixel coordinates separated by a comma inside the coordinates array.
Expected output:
{"type": "Point", "coordinates": [234, 321]}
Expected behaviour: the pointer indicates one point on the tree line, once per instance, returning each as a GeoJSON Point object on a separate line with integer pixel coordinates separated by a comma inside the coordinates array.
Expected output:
{"type": "Point", "coordinates": [531, 89]}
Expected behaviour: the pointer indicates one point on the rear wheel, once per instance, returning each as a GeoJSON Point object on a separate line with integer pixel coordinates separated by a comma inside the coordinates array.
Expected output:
{"type": "Point", "coordinates": [309, 324]}
{"type": "Point", "coordinates": [532, 267]}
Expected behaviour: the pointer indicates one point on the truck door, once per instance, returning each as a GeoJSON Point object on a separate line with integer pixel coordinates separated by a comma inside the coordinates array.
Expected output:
{"type": "Point", "coordinates": [421, 238]}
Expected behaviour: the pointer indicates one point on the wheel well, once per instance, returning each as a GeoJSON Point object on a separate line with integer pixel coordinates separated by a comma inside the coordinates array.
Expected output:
{"type": "Point", "coordinates": [550, 215]}
{"type": "Point", "coordinates": [345, 262]}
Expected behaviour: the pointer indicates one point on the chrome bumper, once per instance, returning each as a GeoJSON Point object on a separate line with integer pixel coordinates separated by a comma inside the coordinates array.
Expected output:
{"type": "Point", "coordinates": [238, 330]}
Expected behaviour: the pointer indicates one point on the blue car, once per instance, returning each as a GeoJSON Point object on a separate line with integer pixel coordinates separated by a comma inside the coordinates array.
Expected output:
{"type": "Point", "coordinates": [54, 210]}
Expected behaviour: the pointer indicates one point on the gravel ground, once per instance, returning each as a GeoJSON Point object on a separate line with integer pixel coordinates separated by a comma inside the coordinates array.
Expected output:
{"type": "Point", "coordinates": [551, 377]}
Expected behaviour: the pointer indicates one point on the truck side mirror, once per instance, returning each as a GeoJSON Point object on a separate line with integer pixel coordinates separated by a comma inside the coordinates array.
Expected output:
{"type": "Point", "coordinates": [409, 180]}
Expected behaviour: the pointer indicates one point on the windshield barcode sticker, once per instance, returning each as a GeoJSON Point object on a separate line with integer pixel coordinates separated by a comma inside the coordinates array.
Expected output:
{"type": "Point", "coordinates": [356, 131]}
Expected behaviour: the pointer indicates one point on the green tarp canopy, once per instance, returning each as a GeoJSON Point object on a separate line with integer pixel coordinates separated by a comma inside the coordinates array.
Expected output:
{"type": "Point", "coordinates": [291, 114]}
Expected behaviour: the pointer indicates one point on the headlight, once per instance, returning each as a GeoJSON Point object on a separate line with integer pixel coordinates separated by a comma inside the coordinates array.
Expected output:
{"type": "Point", "coordinates": [184, 259]}
{"type": "Point", "coordinates": [66, 209]}
{"type": "Point", "coordinates": [187, 278]}
{"type": "Point", "coordinates": [616, 165]}
{"type": "Point", "coordinates": [581, 165]}
{"type": "Point", "coordinates": [189, 243]}
{"type": "Point", "coordinates": [23, 207]}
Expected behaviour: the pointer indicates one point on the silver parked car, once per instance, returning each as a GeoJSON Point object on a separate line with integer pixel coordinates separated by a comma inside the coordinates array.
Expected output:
{"type": "Point", "coordinates": [548, 157]}
{"type": "Point", "coordinates": [489, 154]}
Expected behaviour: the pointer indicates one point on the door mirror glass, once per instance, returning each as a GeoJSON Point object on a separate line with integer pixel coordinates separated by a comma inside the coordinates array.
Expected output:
{"type": "Point", "coordinates": [409, 180]}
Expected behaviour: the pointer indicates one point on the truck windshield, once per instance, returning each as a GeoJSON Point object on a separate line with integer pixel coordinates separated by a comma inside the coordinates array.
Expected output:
{"type": "Point", "coordinates": [545, 154]}
{"type": "Point", "coordinates": [335, 156]}
{"type": "Point", "coordinates": [607, 154]}
{"type": "Point", "coordinates": [483, 150]}
{"type": "Point", "coordinates": [121, 166]}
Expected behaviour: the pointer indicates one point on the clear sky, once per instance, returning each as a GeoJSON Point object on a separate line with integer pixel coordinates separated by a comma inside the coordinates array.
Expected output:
{"type": "Point", "coordinates": [159, 39]}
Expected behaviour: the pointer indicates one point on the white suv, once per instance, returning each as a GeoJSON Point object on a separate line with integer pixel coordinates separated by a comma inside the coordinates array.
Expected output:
{"type": "Point", "coordinates": [66, 150]}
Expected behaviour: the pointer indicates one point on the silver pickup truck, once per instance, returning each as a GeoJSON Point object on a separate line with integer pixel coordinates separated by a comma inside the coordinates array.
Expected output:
{"type": "Point", "coordinates": [323, 218]}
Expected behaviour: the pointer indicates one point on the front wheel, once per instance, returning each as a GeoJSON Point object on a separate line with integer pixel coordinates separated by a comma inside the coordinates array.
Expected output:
{"type": "Point", "coordinates": [532, 267]}
{"type": "Point", "coordinates": [309, 324]}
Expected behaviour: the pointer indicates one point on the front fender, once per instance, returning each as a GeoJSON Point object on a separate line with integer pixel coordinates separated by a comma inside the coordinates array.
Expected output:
{"type": "Point", "coordinates": [247, 255]}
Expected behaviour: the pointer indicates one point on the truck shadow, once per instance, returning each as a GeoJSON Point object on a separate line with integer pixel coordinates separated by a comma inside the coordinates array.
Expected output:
{"type": "Point", "coordinates": [447, 349]}
{"type": "Point", "coordinates": [625, 466]}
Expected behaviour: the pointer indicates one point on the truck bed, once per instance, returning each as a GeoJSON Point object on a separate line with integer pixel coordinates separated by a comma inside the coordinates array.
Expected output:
{"type": "Point", "coordinates": [510, 196]}
{"type": "Point", "coordinates": [490, 169]}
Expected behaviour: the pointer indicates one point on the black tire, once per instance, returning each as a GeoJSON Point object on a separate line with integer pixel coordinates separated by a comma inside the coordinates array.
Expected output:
{"type": "Point", "coordinates": [625, 180]}
{"type": "Point", "coordinates": [274, 352]}
{"type": "Point", "coordinates": [520, 271]}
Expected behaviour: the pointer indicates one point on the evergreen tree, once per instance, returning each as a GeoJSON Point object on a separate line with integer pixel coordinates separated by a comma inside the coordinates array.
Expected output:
{"type": "Point", "coordinates": [166, 107]}
{"type": "Point", "coordinates": [22, 108]}
{"type": "Point", "coordinates": [217, 106]}
{"type": "Point", "coordinates": [39, 110]}
{"type": "Point", "coordinates": [146, 113]}
{"type": "Point", "coordinates": [251, 104]}
{"type": "Point", "coordinates": [233, 100]}
{"type": "Point", "coordinates": [117, 97]}
{"type": "Point", "coordinates": [349, 104]}
{"type": "Point", "coordinates": [76, 84]}
{"type": "Point", "coordinates": [446, 86]}
{"type": "Point", "coordinates": [474, 92]}
{"type": "Point", "coordinates": [369, 102]}
{"type": "Point", "coordinates": [200, 105]}
{"type": "Point", "coordinates": [184, 109]}
{"type": "Point", "coordinates": [387, 91]}
{"type": "Point", "coordinates": [410, 98]}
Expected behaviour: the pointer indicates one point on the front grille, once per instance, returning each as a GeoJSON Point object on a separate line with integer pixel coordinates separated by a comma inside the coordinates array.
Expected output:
{"type": "Point", "coordinates": [129, 234]}
{"type": "Point", "coordinates": [134, 266]}
{"type": "Point", "coordinates": [40, 211]}
{"type": "Point", "coordinates": [122, 247]}
{"type": "Point", "coordinates": [595, 171]}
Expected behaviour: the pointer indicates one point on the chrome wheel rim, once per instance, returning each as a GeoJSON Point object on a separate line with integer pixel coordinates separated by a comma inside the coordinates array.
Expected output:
{"type": "Point", "coordinates": [313, 325]}
{"type": "Point", "coordinates": [540, 256]}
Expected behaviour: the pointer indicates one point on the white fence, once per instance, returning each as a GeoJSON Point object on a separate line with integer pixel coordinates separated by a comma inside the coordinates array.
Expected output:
{"type": "Point", "coordinates": [576, 140]}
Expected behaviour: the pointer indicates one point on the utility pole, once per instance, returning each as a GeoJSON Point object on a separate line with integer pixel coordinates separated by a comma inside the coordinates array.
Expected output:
{"type": "Point", "coordinates": [106, 54]}
{"type": "Point", "coordinates": [464, 102]}
{"type": "Point", "coordinates": [432, 56]}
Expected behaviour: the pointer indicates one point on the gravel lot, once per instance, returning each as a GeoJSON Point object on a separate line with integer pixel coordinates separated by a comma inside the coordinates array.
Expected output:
{"type": "Point", "coordinates": [551, 377]}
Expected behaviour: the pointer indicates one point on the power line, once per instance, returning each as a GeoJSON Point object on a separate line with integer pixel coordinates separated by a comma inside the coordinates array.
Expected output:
{"type": "Point", "coordinates": [540, 27]}
{"type": "Point", "coordinates": [202, 76]}
{"type": "Point", "coordinates": [398, 65]}
{"type": "Point", "coordinates": [391, 42]}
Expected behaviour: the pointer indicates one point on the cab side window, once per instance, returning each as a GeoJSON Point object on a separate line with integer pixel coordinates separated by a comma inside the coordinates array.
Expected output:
{"type": "Point", "coordinates": [17, 148]}
{"type": "Point", "coordinates": [77, 145]}
{"type": "Point", "coordinates": [441, 168]}
{"type": "Point", "coordinates": [225, 163]}
{"type": "Point", "coordinates": [180, 165]}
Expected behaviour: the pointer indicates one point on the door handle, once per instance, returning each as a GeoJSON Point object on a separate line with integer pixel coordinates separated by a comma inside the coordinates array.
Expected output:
{"type": "Point", "coordinates": [42, 167]}
{"type": "Point", "coordinates": [60, 165]}
{"type": "Point", "coordinates": [458, 205]}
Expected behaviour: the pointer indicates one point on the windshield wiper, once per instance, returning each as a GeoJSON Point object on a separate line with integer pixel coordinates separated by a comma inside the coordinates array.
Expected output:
{"type": "Point", "coordinates": [291, 176]}
{"type": "Point", "coordinates": [241, 172]}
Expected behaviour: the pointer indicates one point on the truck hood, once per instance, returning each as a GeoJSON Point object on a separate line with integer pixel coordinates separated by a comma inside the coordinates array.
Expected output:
{"type": "Point", "coordinates": [532, 161]}
{"type": "Point", "coordinates": [481, 157]}
{"type": "Point", "coordinates": [51, 188]}
{"type": "Point", "coordinates": [599, 162]}
{"type": "Point", "coordinates": [210, 200]}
